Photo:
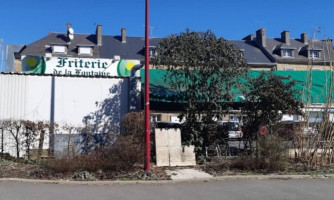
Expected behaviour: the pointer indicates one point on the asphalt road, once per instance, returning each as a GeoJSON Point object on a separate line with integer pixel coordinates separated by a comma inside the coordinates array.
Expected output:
{"type": "Point", "coordinates": [295, 189]}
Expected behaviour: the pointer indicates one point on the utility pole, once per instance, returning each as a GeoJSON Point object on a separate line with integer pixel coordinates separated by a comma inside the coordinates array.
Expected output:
{"type": "Point", "coordinates": [147, 84]}
{"type": "Point", "coordinates": [1, 52]}
{"type": "Point", "coordinates": [2, 131]}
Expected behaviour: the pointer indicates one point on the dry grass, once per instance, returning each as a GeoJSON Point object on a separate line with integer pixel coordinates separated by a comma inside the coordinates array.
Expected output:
{"type": "Point", "coordinates": [122, 156]}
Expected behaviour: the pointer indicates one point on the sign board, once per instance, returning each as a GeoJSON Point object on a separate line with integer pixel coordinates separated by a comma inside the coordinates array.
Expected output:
{"type": "Point", "coordinates": [72, 66]}
{"type": "Point", "coordinates": [263, 130]}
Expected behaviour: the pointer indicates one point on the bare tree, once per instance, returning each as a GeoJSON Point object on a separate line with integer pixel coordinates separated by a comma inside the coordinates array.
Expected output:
{"type": "Point", "coordinates": [30, 133]}
{"type": "Point", "coordinates": [15, 129]}
{"type": "Point", "coordinates": [41, 128]}
{"type": "Point", "coordinates": [70, 129]}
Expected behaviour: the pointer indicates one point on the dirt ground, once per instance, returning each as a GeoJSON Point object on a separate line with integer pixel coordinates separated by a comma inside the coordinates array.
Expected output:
{"type": "Point", "coordinates": [23, 169]}
{"type": "Point", "coordinates": [13, 168]}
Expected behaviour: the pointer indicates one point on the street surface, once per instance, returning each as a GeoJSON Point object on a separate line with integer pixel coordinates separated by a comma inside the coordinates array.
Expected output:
{"type": "Point", "coordinates": [246, 189]}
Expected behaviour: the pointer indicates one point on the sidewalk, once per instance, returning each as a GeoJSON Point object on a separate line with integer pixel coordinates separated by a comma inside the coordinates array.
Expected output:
{"type": "Point", "coordinates": [177, 176]}
{"type": "Point", "coordinates": [185, 174]}
{"type": "Point", "coordinates": [194, 174]}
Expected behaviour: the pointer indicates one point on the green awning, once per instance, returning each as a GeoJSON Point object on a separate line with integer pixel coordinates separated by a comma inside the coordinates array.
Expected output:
{"type": "Point", "coordinates": [317, 91]}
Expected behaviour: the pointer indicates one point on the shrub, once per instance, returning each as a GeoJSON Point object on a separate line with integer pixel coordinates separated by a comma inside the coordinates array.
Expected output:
{"type": "Point", "coordinates": [272, 156]}
{"type": "Point", "coordinates": [122, 155]}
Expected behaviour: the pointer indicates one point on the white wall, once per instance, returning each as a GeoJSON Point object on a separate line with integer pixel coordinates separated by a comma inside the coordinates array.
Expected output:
{"type": "Point", "coordinates": [65, 100]}
{"type": "Point", "coordinates": [77, 97]}
{"type": "Point", "coordinates": [24, 97]}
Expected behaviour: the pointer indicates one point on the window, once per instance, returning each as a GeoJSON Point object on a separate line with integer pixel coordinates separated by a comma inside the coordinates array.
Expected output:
{"type": "Point", "coordinates": [175, 118]}
{"type": "Point", "coordinates": [85, 51]}
{"type": "Point", "coordinates": [234, 118]}
{"type": "Point", "coordinates": [287, 52]}
{"type": "Point", "coordinates": [155, 117]}
{"type": "Point", "coordinates": [59, 49]}
{"type": "Point", "coordinates": [315, 116]}
{"type": "Point", "coordinates": [242, 53]}
{"type": "Point", "coordinates": [152, 51]}
{"type": "Point", "coordinates": [289, 69]}
{"type": "Point", "coordinates": [314, 54]}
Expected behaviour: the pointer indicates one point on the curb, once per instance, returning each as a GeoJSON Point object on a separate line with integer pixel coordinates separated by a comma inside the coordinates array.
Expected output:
{"type": "Point", "coordinates": [219, 178]}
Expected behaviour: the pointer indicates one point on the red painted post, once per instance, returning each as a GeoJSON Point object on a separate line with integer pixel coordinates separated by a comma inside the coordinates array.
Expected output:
{"type": "Point", "coordinates": [147, 94]}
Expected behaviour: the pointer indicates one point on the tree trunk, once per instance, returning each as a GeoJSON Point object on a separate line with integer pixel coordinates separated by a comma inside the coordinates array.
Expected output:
{"type": "Point", "coordinates": [40, 146]}
{"type": "Point", "coordinates": [69, 145]}
{"type": "Point", "coordinates": [2, 143]}
{"type": "Point", "coordinates": [17, 148]}
{"type": "Point", "coordinates": [28, 149]}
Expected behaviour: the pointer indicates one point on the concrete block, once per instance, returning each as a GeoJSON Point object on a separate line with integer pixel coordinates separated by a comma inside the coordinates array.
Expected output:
{"type": "Point", "coordinates": [174, 138]}
{"type": "Point", "coordinates": [188, 157]}
{"type": "Point", "coordinates": [175, 156]}
{"type": "Point", "coordinates": [161, 137]}
{"type": "Point", "coordinates": [169, 151]}
{"type": "Point", "coordinates": [162, 156]}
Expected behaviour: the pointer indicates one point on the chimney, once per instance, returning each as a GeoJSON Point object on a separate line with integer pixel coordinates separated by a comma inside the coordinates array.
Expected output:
{"type": "Point", "coordinates": [123, 35]}
{"type": "Point", "coordinates": [261, 37]}
{"type": "Point", "coordinates": [285, 36]}
{"type": "Point", "coordinates": [70, 33]}
{"type": "Point", "coordinates": [99, 35]}
{"type": "Point", "coordinates": [303, 38]}
{"type": "Point", "coordinates": [69, 25]}
{"type": "Point", "coordinates": [249, 37]}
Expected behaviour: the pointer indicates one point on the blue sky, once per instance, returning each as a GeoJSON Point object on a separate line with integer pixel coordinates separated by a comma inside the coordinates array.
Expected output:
{"type": "Point", "coordinates": [24, 21]}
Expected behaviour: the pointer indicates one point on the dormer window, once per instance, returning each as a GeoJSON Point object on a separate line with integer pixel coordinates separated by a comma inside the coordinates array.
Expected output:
{"type": "Point", "coordinates": [152, 51]}
{"type": "Point", "coordinates": [314, 54]}
{"type": "Point", "coordinates": [286, 52]}
{"type": "Point", "coordinates": [85, 50]}
{"type": "Point", "coordinates": [59, 49]}
{"type": "Point", "coordinates": [242, 53]}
